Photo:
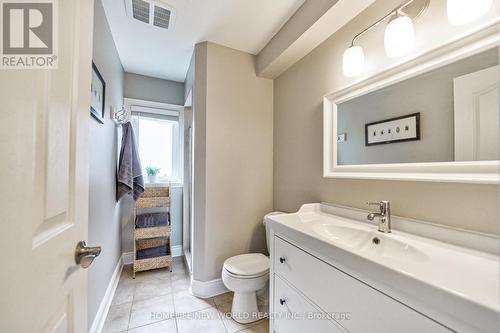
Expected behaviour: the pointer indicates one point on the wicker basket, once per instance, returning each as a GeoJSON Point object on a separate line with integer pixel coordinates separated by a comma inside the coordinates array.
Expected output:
{"type": "Point", "coordinates": [152, 263]}
{"type": "Point", "coordinates": [152, 202]}
{"type": "Point", "coordinates": [142, 233]}
{"type": "Point", "coordinates": [156, 191]}
{"type": "Point", "coordinates": [147, 243]}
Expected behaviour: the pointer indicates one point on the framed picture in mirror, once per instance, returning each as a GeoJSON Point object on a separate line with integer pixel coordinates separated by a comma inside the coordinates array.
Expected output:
{"type": "Point", "coordinates": [398, 129]}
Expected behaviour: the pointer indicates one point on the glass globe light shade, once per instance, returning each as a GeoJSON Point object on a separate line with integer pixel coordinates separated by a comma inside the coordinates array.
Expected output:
{"type": "Point", "coordinates": [353, 61]}
{"type": "Point", "coordinates": [399, 36]}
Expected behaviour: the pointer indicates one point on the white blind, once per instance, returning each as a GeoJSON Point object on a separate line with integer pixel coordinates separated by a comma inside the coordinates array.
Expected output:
{"type": "Point", "coordinates": [157, 113]}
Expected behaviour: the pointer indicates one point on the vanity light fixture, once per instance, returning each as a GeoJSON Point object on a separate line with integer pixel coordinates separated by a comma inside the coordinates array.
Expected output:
{"type": "Point", "coordinates": [465, 11]}
{"type": "Point", "coordinates": [398, 37]}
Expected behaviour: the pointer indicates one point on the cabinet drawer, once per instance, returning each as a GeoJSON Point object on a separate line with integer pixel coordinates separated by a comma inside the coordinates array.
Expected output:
{"type": "Point", "coordinates": [292, 313]}
{"type": "Point", "coordinates": [335, 291]}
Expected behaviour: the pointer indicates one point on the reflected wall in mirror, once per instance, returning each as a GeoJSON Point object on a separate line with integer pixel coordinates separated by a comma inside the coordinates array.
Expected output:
{"type": "Point", "coordinates": [458, 107]}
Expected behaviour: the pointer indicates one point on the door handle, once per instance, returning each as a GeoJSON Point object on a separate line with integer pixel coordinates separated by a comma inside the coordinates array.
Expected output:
{"type": "Point", "coordinates": [85, 255]}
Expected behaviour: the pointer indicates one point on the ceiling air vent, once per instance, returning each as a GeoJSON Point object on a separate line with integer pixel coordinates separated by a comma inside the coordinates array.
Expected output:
{"type": "Point", "coordinates": [140, 10]}
{"type": "Point", "coordinates": [152, 12]}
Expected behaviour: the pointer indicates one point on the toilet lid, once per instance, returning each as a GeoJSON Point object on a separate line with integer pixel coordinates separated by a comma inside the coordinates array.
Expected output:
{"type": "Point", "coordinates": [247, 264]}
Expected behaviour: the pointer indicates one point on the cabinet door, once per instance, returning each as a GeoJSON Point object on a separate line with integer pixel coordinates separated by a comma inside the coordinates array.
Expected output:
{"type": "Point", "coordinates": [337, 292]}
{"type": "Point", "coordinates": [293, 313]}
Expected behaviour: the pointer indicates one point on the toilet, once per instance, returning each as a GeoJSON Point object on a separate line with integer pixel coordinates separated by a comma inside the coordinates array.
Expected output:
{"type": "Point", "coordinates": [244, 275]}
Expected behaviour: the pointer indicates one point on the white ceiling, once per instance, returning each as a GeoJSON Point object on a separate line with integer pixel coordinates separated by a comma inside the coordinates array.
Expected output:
{"type": "Point", "coordinates": [245, 25]}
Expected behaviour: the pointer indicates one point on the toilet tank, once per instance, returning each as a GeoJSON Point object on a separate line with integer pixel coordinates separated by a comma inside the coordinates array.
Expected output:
{"type": "Point", "coordinates": [264, 220]}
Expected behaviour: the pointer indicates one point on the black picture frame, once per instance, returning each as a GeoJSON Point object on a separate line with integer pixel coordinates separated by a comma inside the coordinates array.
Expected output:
{"type": "Point", "coordinates": [98, 114]}
{"type": "Point", "coordinates": [417, 129]}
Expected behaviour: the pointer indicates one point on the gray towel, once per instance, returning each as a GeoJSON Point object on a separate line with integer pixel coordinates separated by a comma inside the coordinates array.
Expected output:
{"type": "Point", "coordinates": [150, 220]}
{"type": "Point", "coordinates": [152, 252]}
{"type": "Point", "coordinates": [129, 176]}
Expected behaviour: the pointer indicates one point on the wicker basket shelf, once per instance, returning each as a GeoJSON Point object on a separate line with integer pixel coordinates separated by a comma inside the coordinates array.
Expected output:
{"type": "Point", "coordinates": [145, 238]}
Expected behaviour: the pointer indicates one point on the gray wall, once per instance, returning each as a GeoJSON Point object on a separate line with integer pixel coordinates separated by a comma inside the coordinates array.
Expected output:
{"type": "Point", "coordinates": [110, 223]}
{"type": "Point", "coordinates": [189, 81]}
{"type": "Point", "coordinates": [233, 154]}
{"type": "Point", "coordinates": [153, 89]}
{"type": "Point", "coordinates": [431, 94]}
{"type": "Point", "coordinates": [298, 123]}
{"type": "Point", "coordinates": [104, 225]}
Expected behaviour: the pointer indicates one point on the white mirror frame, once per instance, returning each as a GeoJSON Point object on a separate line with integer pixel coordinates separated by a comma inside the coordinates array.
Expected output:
{"type": "Point", "coordinates": [481, 172]}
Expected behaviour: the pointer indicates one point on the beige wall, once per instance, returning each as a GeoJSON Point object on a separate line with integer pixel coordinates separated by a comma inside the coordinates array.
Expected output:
{"type": "Point", "coordinates": [298, 119]}
{"type": "Point", "coordinates": [233, 114]}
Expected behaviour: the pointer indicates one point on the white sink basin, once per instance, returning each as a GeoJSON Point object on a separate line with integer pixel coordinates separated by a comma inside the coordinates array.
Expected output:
{"type": "Point", "coordinates": [373, 243]}
{"type": "Point", "coordinates": [347, 236]}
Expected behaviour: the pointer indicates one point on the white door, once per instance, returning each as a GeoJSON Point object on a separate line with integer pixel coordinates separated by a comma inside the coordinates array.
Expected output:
{"type": "Point", "coordinates": [477, 115]}
{"type": "Point", "coordinates": [44, 183]}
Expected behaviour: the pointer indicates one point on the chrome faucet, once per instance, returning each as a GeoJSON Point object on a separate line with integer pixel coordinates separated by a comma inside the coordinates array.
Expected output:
{"type": "Point", "coordinates": [384, 224]}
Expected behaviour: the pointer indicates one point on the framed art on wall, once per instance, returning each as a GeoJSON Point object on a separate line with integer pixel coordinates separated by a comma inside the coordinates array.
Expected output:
{"type": "Point", "coordinates": [98, 92]}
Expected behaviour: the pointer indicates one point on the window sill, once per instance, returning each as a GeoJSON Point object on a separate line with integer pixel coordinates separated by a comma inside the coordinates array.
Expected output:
{"type": "Point", "coordinates": [164, 183]}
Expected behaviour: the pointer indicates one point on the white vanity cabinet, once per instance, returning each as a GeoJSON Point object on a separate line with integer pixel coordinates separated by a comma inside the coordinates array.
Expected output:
{"type": "Point", "coordinates": [303, 283]}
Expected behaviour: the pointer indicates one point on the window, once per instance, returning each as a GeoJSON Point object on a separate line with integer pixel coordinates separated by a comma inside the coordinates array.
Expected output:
{"type": "Point", "coordinates": [159, 142]}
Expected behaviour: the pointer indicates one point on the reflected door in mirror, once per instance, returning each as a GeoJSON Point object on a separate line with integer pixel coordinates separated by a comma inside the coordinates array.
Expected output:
{"type": "Point", "coordinates": [477, 115]}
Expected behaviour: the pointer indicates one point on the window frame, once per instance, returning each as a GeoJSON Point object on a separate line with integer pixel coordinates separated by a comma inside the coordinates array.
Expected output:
{"type": "Point", "coordinates": [163, 111]}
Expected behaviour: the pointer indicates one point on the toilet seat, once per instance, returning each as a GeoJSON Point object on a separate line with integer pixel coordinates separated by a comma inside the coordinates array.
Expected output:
{"type": "Point", "coordinates": [247, 266]}
{"type": "Point", "coordinates": [245, 277]}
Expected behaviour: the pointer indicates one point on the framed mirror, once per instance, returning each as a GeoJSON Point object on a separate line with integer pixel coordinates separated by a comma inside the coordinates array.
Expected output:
{"type": "Point", "coordinates": [432, 118]}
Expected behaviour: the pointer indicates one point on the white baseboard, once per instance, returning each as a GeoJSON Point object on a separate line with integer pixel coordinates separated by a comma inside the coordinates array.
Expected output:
{"type": "Point", "coordinates": [177, 251]}
{"type": "Point", "coordinates": [102, 312]}
{"type": "Point", "coordinates": [206, 289]}
{"type": "Point", "coordinates": [128, 257]}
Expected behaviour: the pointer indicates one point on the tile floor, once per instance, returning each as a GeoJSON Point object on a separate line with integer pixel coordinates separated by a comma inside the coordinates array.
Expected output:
{"type": "Point", "coordinates": [159, 301]}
